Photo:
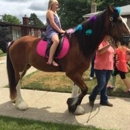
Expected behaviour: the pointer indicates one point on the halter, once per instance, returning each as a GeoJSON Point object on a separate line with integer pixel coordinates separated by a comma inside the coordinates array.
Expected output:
{"type": "Point", "coordinates": [112, 24]}
{"type": "Point", "coordinates": [125, 39]}
{"type": "Point", "coordinates": [111, 21]}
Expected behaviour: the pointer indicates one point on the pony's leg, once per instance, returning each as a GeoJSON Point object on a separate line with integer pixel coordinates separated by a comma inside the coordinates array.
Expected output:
{"type": "Point", "coordinates": [75, 90]}
{"type": "Point", "coordinates": [20, 104]}
{"type": "Point", "coordinates": [74, 102]}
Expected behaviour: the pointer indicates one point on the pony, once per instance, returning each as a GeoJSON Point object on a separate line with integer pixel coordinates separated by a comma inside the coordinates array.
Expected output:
{"type": "Point", "coordinates": [83, 42]}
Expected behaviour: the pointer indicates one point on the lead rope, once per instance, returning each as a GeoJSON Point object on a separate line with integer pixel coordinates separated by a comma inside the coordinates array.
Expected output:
{"type": "Point", "coordinates": [90, 114]}
{"type": "Point", "coordinates": [89, 117]}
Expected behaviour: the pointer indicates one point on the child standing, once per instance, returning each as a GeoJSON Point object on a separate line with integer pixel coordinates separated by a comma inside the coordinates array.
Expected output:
{"type": "Point", "coordinates": [121, 66]}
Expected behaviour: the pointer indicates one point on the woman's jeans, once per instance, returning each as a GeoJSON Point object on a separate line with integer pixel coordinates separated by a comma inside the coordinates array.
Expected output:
{"type": "Point", "coordinates": [103, 77]}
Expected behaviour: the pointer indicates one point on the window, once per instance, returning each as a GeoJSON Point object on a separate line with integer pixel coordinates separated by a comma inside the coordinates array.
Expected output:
{"type": "Point", "coordinates": [16, 34]}
{"type": "Point", "coordinates": [39, 33]}
{"type": "Point", "coordinates": [32, 32]}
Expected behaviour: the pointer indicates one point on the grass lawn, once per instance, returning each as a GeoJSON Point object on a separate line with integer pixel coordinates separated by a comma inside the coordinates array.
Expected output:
{"type": "Point", "coordinates": [2, 54]}
{"type": "Point", "coordinates": [8, 123]}
{"type": "Point", "coordinates": [60, 83]}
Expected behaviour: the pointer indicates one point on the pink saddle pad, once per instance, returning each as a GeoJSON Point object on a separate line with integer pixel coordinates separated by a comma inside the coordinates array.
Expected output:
{"type": "Point", "coordinates": [42, 46]}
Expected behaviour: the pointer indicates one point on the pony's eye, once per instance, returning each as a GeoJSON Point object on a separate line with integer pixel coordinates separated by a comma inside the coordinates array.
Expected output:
{"type": "Point", "coordinates": [111, 18]}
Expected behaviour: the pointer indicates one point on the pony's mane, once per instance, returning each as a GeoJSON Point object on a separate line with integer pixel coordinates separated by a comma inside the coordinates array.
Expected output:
{"type": "Point", "coordinates": [89, 43]}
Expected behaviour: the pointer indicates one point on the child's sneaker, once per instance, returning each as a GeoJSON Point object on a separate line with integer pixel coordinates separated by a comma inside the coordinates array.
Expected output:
{"type": "Point", "coordinates": [127, 91]}
{"type": "Point", "coordinates": [110, 87]}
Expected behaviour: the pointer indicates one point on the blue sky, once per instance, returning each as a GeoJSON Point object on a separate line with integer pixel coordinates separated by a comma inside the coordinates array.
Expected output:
{"type": "Point", "coordinates": [19, 8]}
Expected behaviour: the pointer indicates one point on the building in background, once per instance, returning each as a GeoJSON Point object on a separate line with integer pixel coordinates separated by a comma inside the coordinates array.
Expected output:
{"type": "Point", "coordinates": [16, 31]}
{"type": "Point", "coordinates": [24, 29]}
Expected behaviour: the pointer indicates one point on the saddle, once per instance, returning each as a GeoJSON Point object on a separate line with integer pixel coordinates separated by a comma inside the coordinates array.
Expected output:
{"type": "Point", "coordinates": [43, 47]}
{"type": "Point", "coordinates": [61, 37]}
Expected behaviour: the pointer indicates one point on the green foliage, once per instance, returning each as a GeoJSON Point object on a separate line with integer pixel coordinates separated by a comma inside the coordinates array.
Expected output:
{"type": "Point", "coordinates": [35, 21]}
{"type": "Point", "coordinates": [10, 19]}
{"type": "Point", "coordinates": [5, 37]}
{"type": "Point", "coordinates": [71, 12]}
{"type": "Point", "coordinates": [1, 52]}
{"type": "Point", "coordinates": [101, 5]}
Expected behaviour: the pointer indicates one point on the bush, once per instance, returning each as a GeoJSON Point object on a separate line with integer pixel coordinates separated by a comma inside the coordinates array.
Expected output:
{"type": "Point", "coordinates": [5, 37]}
{"type": "Point", "coordinates": [1, 51]}
{"type": "Point", "coordinates": [3, 47]}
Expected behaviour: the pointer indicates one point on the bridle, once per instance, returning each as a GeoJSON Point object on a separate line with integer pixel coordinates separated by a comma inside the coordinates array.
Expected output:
{"type": "Point", "coordinates": [112, 24]}
{"type": "Point", "coordinates": [111, 21]}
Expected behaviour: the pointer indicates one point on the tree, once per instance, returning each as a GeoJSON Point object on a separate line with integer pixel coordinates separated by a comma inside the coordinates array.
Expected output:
{"type": "Point", "coordinates": [101, 4]}
{"type": "Point", "coordinates": [35, 21]}
{"type": "Point", "coordinates": [71, 12]}
{"type": "Point", "coordinates": [5, 37]}
{"type": "Point", "coordinates": [10, 19]}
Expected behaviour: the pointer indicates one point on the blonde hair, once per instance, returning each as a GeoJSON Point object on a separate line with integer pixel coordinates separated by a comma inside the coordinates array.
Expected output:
{"type": "Point", "coordinates": [51, 2]}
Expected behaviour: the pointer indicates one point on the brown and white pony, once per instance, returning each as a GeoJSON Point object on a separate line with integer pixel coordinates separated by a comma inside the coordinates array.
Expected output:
{"type": "Point", "coordinates": [24, 53]}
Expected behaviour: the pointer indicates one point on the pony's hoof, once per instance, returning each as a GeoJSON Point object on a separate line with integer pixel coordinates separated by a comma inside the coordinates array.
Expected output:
{"type": "Point", "coordinates": [13, 101]}
{"type": "Point", "coordinates": [22, 106]}
{"type": "Point", "coordinates": [79, 110]}
{"type": "Point", "coordinates": [71, 106]}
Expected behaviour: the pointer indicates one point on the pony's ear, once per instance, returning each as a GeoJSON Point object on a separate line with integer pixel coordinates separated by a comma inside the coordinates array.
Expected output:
{"type": "Point", "coordinates": [110, 9]}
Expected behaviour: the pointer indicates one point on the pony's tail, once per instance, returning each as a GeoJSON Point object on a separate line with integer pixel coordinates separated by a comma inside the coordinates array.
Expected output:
{"type": "Point", "coordinates": [11, 75]}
